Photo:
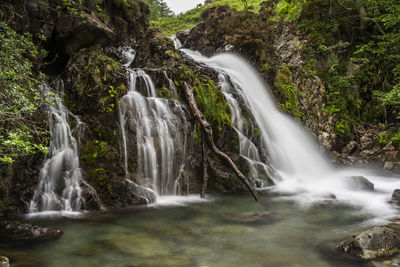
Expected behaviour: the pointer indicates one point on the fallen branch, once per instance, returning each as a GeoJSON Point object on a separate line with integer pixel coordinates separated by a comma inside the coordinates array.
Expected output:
{"type": "Point", "coordinates": [208, 131]}
{"type": "Point", "coordinates": [205, 176]}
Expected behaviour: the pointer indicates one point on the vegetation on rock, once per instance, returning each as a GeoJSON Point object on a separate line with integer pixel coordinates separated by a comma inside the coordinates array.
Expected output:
{"type": "Point", "coordinates": [169, 25]}
{"type": "Point", "coordinates": [20, 96]}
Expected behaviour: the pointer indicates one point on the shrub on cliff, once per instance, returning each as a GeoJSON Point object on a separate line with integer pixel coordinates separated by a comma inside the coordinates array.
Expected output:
{"type": "Point", "coordinates": [20, 97]}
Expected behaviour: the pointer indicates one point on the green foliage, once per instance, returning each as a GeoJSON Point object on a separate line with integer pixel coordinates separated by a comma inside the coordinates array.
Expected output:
{"type": "Point", "coordinates": [289, 90]}
{"type": "Point", "coordinates": [159, 9]}
{"type": "Point", "coordinates": [210, 100]}
{"type": "Point", "coordinates": [20, 97]}
{"type": "Point", "coordinates": [289, 9]}
{"type": "Point", "coordinates": [393, 138]}
{"type": "Point", "coordinates": [171, 25]}
{"type": "Point", "coordinates": [357, 56]}
{"type": "Point", "coordinates": [108, 103]}
{"type": "Point", "coordinates": [212, 103]}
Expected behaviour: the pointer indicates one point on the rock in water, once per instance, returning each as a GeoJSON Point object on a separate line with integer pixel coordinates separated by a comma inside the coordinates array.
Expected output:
{"type": "Point", "coordinates": [360, 183]}
{"type": "Point", "coordinates": [372, 243]}
{"type": "Point", "coordinates": [396, 197]}
{"type": "Point", "coordinates": [27, 232]}
{"type": "Point", "coordinates": [254, 218]}
{"type": "Point", "coordinates": [4, 262]}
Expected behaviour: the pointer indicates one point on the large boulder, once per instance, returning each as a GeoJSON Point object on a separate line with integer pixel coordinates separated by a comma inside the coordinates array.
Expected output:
{"type": "Point", "coordinates": [360, 183]}
{"type": "Point", "coordinates": [27, 232]}
{"type": "Point", "coordinates": [372, 243]}
{"type": "Point", "coordinates": [82, 31]}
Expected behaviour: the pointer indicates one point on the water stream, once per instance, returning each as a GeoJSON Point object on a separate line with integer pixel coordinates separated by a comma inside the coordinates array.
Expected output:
{"type": "Point", "coordinates": [215, 232]}
{"type": "Point", "coordinates": [160, 132]}
{"type": "Point", "coordinates": [59, 188]}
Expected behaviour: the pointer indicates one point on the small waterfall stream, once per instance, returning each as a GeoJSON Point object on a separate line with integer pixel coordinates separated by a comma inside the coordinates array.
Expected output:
{"type": "Point", "coordinates": [59, 187]}
{"type": "Point", "coordinates": [160, 134]}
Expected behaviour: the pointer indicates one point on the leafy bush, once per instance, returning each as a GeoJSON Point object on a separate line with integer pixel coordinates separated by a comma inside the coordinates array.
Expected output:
{"type": "Point", "coordinates": [19, 96]}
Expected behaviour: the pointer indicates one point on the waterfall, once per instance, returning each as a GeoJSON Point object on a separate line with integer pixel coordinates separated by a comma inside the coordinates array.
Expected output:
{"type": "Point", "coordinates": [302, 171]}
{"type": "Point", "coordinates": [60, 177]}
{"type": "Point", "coordinates": [177, 42]}
{"type": "Point", "coordinates": [244, 130]}
{"type": "Point", "coordinates": [160, 134]}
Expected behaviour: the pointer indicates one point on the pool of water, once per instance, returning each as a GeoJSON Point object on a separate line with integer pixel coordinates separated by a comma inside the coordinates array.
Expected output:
{"type": "Point", "coordinates": [214, 232]}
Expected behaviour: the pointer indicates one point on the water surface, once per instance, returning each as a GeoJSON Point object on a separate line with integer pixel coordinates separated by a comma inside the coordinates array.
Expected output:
{"type": "Point", "coordinates": [199, 233]}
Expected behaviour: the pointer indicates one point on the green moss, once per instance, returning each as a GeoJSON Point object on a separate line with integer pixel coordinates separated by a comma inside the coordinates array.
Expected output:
{"type": "Point", "coordinates": [96, 80]}
{"type": "Point", "coordinates": [209, 99]}
{"type": "Point", "coordinates": [290, 92]}
{"type": "Point", "coordinates": [212, 104]}
{"type": "Point", "coordinates": [94, 150]}
{"type": "Point", "coordinates": [256, 132]}
{"type": "Point", "coordinates": [164, 92]}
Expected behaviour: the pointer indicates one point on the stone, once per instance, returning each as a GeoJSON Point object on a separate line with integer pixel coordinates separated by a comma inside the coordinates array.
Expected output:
{"type": "Point", "coordinates": [372, 243]}
{"type": "Point", "coordinates": [81, 32]}
{"type": "Point", "coordinates": [255, 218]}
{"type": "Point", "coordinates": [395, 198]}
{"type": "Point", "coordinates": [366, 142]}
{"type": "Point", "coordinates": [388, 165]}
{"type": "Point", "coordinates": [350, 147]}
{"type": "Point", "coordinates": [27, 232]}
{"type": "Point", "coordinates": [4, 262]}
{"type": "Point", "coordinates": [360, 183]}
{"type": "Point", "coordinates": [183, 35]}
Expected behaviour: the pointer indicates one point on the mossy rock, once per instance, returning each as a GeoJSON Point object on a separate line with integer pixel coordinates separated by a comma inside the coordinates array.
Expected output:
{"type": "Point", "coordinates": [95, 82]}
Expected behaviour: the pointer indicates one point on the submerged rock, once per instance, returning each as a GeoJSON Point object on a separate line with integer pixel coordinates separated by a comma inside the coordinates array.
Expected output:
{"type": "Point", "coordinates": [361, 183]}
{"type": "Point", "coordinates": [4, 262]}
{"type": "Point", "coordinates": [372, 243]}
{"type": "Point", "coordinates": [27, 232]}
{"type": "Point", "coordinates": [257, 217]}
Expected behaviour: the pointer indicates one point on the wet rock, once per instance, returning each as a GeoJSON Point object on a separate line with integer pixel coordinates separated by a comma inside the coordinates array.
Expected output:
{"type": "Point", "coordinates": [360, 183]}
{"type": "Point", "coordinates": [27, 232]}
{"type": "Point", "coordinates": [372, 243]}
{"type": "Point", "coordinates": [350, 147]}
{"type": "Point", "coordinates": [366, 142]}
{"type": "Point", "coordinates": [395, 197]}
{"type": "Point", "coordinates": [81, 32]}
{"type": "Point", "coordinates": [4, 262]}
{"type": "Point", "coordinates": [254, 218]}
{"type": "Point", "coordinates": [183, 35]}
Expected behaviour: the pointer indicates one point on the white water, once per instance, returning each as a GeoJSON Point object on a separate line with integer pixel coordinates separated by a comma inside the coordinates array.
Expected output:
{"type": "Point", "coordinates": [59, 187]}
{"type": "Point", "coordinates": [302, 171]}
{"type": "Point", "coordinates": [177, 42]}
{"type": "Point", "coordinates": [160, 134]}
{"type": "Point", "coordinates": [244, 130]}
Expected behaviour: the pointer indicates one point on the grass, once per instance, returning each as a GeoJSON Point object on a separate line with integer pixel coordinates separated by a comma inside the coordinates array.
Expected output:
{"type": "Point", "coordinates": [171, 25]}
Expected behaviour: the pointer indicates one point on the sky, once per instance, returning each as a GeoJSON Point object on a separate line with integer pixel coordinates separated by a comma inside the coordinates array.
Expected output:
{"type": "Point", "coordinates": [179, 6]}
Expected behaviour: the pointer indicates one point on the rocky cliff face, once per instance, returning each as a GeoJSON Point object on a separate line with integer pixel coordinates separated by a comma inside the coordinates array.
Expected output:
{"type": "Point", "coordinates": [80, 51]}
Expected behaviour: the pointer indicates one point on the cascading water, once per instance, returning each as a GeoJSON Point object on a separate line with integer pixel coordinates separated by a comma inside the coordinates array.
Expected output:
{"type": "Point", "coordinates": [60, 177]}
{"type": "Point", "coordinates": [160, 134]}
{"type": "Point", "coordinates": [301, 170]}
{"type": "Point", "coordinates": [177, 42]}
{"type": "Point", "coordinates": [244, 129]}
